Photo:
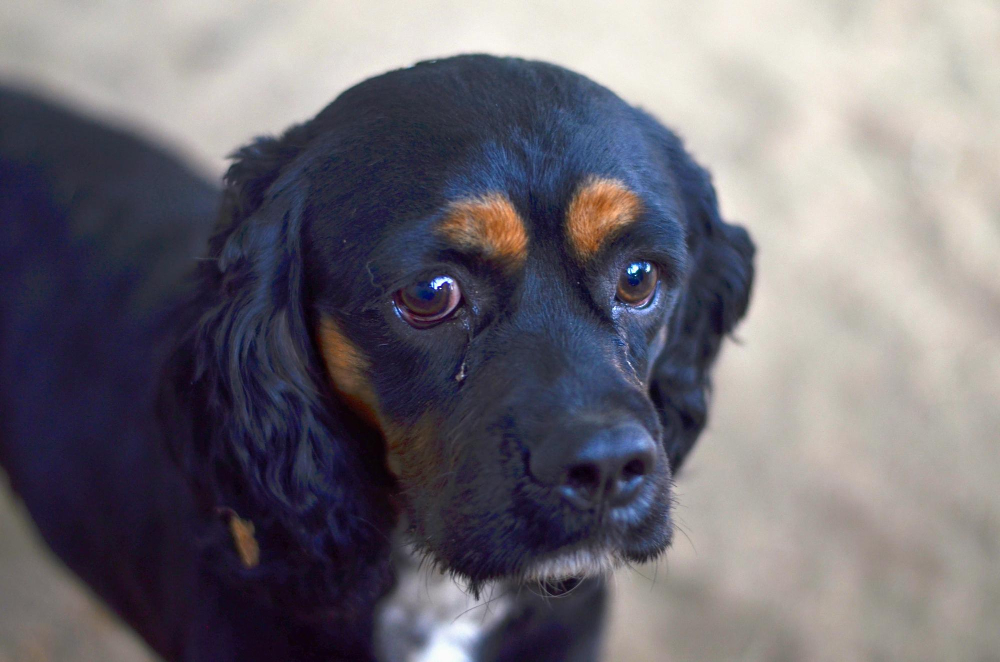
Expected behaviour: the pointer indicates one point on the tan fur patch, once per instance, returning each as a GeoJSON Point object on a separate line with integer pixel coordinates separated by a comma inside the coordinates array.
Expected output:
{"type": "Point", "coordinates": [246, 545]}
{"type": "Point", "coordinates": [413, 456]}
{"type": "Point", "coordinates": [488, 224]}
{"type": "Point", "coordinates": [599, 209]}
{"type": "Point", "coordinates": [411, 452]}
{"type": "Point", "coordinates": [348, 370]}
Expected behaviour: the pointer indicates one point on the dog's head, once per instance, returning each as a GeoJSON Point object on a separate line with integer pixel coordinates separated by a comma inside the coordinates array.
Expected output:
{"type": "Point", "coordinates": [493, 281]}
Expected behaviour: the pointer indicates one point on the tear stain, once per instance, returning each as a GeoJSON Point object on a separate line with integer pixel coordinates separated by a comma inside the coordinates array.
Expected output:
{"type": "Point", "coordinates": [655, 349]}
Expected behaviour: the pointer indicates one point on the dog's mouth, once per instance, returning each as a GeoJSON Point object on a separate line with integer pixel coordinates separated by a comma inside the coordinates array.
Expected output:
{"type": "Point", "coordinates": [553, 573]}
{"type": "Point", "coordinates": [552, 576]}
{"type": "Point", "coordinates": [551, 553]}
{"type": "Point", "coordinates": [488, 561]}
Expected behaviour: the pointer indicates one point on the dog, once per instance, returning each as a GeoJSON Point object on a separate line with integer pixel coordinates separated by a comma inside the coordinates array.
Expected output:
{"type": "Point", "coordinates": [462, 320]}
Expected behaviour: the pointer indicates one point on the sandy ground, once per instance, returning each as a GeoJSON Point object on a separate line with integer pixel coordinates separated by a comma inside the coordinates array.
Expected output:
{"type": "Point", "coordinates": [845, 503]}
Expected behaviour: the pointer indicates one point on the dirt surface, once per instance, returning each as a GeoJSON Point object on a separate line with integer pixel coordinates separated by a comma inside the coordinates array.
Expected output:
{"type": "Point", "coordinates": [845, 503]}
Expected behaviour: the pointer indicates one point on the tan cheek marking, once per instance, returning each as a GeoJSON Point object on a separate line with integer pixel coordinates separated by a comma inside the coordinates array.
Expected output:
{"type": "Point", "coordinates": [488, 224]}
{"type": "Point", "coordinates": [412, 455]}
{"type": "Point", "coordinates": [599, 208]}
{"type": "Point", "coordinates": [348, 370]}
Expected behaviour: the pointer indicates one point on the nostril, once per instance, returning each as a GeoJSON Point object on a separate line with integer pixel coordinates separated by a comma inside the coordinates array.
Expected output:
{"type": "Point", "coordinates": [584, 478]}
{"type": "Point", "coordinates": [630, 479]}
{"type": "Point", "coordinates": [634, 468]}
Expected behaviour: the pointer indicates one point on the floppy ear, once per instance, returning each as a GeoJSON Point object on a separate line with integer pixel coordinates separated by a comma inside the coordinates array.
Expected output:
{"type": "Point", "coordinates": [262, 441]}
{"type": "Point", "coordinates": [714, 299]}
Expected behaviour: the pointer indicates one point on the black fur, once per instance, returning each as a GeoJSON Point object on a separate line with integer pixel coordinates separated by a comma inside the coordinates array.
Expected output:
{"type": "Point", "coordinates": [716, 298]}
{"type": "Point", "coordinates": [113, 358]}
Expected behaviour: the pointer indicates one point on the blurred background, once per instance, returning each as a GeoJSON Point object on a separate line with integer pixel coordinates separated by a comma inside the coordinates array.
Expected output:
{"type": "Point", "coordinates": [845, 503]}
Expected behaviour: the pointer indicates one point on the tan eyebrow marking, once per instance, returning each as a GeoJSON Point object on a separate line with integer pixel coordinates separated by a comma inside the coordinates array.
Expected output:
{"type": "Point", "coordinates": [488, 224]}
{"type": "Point", "coordinates": [348, 369]}
{"type": "Point", "coordinates": [599, 208]}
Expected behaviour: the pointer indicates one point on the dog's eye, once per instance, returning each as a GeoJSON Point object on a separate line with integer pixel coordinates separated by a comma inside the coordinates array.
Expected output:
{"type": "Point", "coordinates": [427, 302]}
{"type": "Point", "coordinates": [637, 283]}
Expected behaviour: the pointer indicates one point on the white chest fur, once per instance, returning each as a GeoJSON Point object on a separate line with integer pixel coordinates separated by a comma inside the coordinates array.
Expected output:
{"type": "Point", "coordinates": [429, 617]}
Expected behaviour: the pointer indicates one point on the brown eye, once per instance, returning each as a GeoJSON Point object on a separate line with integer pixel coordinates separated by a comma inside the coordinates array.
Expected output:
{"type": "Point", "coordinates": [427, 302]}
{"type": "Point", "coordinates": [637, 284]}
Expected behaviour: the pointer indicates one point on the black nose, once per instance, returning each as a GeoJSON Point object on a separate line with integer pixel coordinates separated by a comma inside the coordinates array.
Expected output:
{"type": "Point", "coordinates": [610, 467]}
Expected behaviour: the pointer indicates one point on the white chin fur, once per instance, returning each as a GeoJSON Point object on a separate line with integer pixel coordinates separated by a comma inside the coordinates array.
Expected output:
{"type": "Point", "coordinates": [574, 564]}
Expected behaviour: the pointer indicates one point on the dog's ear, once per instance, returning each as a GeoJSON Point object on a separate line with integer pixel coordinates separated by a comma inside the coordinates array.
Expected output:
{"type": "Point", "coordinates": [714, 299]}
{"type": "Point", "coordinates": [264, 440]}
{"type": "Point", "coordinates": [251, 350]}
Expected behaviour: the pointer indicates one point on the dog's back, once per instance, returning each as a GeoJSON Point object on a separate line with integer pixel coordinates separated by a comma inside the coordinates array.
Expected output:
{"type": "Point", "coordinates": [97, 230]}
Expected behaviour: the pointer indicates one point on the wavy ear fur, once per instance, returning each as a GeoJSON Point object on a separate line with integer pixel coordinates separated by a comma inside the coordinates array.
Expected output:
{"type": "Point", "coordinates": [714, 300]}
{"type": "Point", "coordinates": [261, 440]}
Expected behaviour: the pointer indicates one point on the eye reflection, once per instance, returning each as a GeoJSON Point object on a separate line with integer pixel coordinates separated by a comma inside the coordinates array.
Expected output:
{"type": "Point", "coordinates": [428, 302]}
{"type": "Point", "coordinates": [637, 283]}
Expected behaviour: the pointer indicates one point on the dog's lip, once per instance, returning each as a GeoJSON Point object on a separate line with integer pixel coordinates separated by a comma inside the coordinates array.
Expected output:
{"type": "Point", "coordinates": [612, 546]}
{"type": "Point", "coordinates": [603, 541]}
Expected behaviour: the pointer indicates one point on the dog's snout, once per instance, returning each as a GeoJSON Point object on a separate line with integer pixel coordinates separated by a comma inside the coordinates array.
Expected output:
{"type": "Point", "coordinates": [605, 468]}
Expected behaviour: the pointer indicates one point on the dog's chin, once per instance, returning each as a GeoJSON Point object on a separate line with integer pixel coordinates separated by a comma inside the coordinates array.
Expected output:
{"type": "Point", "coordinates": [597, 555]}
{"type": "Point", "coordinates": [572, 564]}
{"type": "Point", "coordinates": [583, 562]}
{"type": "Point", "coordinates": [559, 571]}
{"type": "Point", "coordinates": [552, 575]}
{"type": "Point", "coordinates": [477, 557]}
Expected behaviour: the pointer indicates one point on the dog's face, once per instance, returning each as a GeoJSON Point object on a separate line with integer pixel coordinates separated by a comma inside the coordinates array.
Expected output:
{"type": "Point", "coordinates": [502, 347]}
{"type": "Point", "coordinates": [516, 283]}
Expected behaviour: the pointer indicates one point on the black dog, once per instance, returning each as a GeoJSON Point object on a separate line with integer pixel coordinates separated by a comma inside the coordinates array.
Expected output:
{"type": "Point", "coordinates": [469, 310]}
